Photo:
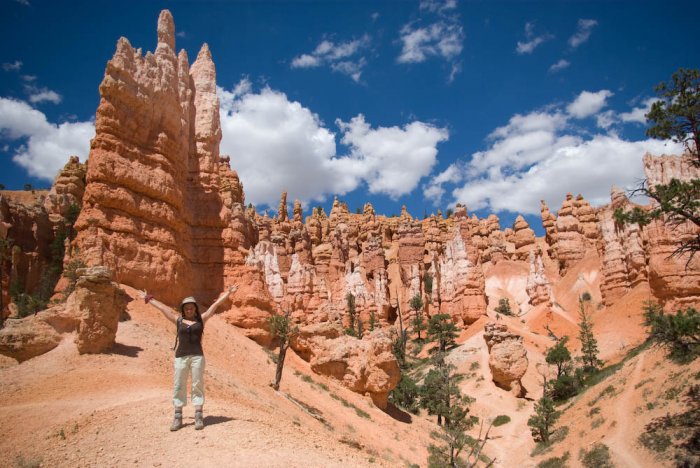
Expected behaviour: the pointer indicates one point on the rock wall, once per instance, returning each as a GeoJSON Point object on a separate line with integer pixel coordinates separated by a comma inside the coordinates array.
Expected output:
{"type": "Point", "coordinates": [162, 209]}
{"type": "Point", "coordinates": [674, 279]}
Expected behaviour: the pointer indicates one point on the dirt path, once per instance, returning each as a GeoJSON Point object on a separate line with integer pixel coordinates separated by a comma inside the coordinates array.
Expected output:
{"type": "Point", "coordinates": [622, 433]}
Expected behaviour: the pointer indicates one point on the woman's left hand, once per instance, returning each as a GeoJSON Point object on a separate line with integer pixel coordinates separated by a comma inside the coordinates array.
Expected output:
{"type": "Point", "coordinates": [228, 292]}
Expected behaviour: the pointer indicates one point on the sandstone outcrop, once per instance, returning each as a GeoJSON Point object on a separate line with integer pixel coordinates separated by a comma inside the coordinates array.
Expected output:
{"type": "Point", "coordinates": [365, 366]}
{"type": "Point", "coordinates": [162, 209]}
{"type": "Point", "coordinates": [539, 288]}
{"type": "Point", "coordinates": [97, 303]}
{"type": "Point", "coordinates": [621, 249]}
{"type": "Point", "coordinates": [36, 334]}
{"type": "Point", "coordinates": [30, 233]}
{"type": "Point", "coordinates": [523, 238]}
{"type": "Point", "coordinates": [27, 338]}
{"type": "Point", "coordinates": [674, 279]}
{"type": "Point", "coordinates": [507, 357]}
{"type": "Point", "coordinates": [67, 191]}
{"type": "Point", "coordinates": [570, 243]}
{"type": "Point", "coordinates": [461, 279]}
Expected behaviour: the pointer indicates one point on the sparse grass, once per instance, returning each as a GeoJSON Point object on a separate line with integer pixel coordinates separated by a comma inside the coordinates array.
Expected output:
{"type": "Point", "coordinates": [558, 435]}
{"type": "Point", "coordinates": [555, 462]}
{"type": "Point", "coordinates": [643, 382]}
{"type": "Point", "coordinates": [597, 423]}
{"type": "Point", "coordinates": [597, 457]}
{"type": "Point", "coordinates": [307, 378]}
{"type": "Point", "coordinates": [21, 462]}
{"type": "Point", "coordinates": [273, 357]}
{"type": "Point", "coordinates": [655, 441]}
{"type": "Point", "coordinates": [501, 419]}
{"type": "Point", "coordinates": [594, 411]}
{"type": "Point", "coordinates": [350, 442]}
{"type": "Point", "coordinates": [609, 390]}
{"type": "Point", "coordinates": [650, 406]}
{"type": "Point", "coordinates": [606, 372]}
{"type": "Point", "coordinates": [673, 393]}
{"type": "Point", "coordinates": [521, 405]}
{"type": "Point", "coordinates": [474, 366]}
{"type": "Point", "coordinates": [347, 404]}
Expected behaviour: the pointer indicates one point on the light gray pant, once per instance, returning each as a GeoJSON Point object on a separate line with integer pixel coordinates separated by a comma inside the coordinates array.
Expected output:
{"type": "Point", "coordinates": [183, 366]}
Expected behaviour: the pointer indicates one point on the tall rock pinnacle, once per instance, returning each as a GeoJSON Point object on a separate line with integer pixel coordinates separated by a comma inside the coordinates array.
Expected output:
{"type": "Point", "coordinates": [166, 29]}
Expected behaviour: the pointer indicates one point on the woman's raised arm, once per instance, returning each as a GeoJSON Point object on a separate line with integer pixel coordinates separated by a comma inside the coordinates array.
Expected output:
{"type": "Point", "coordinates": [169, 313]}
{"type": "Point", "coordinates": [212, 309]}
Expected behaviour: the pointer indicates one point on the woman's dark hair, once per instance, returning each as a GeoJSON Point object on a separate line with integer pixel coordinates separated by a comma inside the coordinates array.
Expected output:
{"type": "Point", "coordinates": [196, 309]}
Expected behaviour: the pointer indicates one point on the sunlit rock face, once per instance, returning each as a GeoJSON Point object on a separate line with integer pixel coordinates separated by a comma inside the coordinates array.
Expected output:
{"type": "Point", "coordinates": [507, 357]}
{"type": "Point", "coordinates": [674, 278]}
{"type": "Point", "coordinates": [162, 210]}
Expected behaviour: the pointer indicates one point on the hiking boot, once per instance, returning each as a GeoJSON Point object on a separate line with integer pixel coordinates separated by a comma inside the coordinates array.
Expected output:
{"type": "Point", "coordinates": [177, 420]}
{"type": "Point", "coordinates": [198, 420]}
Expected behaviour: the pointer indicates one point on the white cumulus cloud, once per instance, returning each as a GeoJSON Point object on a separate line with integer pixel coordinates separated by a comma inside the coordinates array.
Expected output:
{"type": "Point", "coordinates": [638, 114]}
{"type": "Point", "coordinates": [588, 103]}
{"type": "Point", "coordinates": [441, 39]}
{"type": "Point", "coordinates": [437, 6]}
{"type": "Point", "coordinates": [583, 32]}
{"type": "Point", "coordinates": [342, 57]}
{"type": "Point", "coordinates": [540, 156]}
{"type": "Point", "coordinates": [12, 66]}
{"type": "Point", "coordinates": [560, 65]}
{"type": "Point", "coordinates": [44, 147]}
{"type": "Point", "coordinates": [279, 145]}
{"type": "Point", "coordinates": [531, 40]}
{"type": "Point", "coordinates": [392, 159]}
{"type": "Point", "coordinates": [38, 95]}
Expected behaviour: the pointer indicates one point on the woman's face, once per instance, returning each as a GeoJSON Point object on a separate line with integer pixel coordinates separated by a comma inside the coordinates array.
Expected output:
{"type": "Point", "coordinates": [190, 311]}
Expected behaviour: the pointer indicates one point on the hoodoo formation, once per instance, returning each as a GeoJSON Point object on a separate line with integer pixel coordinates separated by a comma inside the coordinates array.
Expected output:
{"type": "Point", "coordinates": [162, 210]}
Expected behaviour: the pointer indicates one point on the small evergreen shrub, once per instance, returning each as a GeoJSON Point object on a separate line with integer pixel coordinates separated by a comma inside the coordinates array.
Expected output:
{"type": "Point", "coordinates": [501, 419]}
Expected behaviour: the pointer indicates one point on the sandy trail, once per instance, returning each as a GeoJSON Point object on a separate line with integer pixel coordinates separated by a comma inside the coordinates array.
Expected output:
{"type": "Point", "coordinates": [623, 433]}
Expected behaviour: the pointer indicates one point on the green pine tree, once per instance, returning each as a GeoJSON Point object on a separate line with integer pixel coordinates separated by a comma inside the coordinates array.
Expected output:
{"type": "Point", "coordinates": [417, 305]}
{"type": "Point", "coordinates": [442, 330]}
{"type": "Point", "coordinates": [559, 356]}
{"type": "Point", "coordinates": [679, 332]}
{"type": "Point", "coordinates": [542, 422]}
{"type": "Point", "coordinates": [589, 344]}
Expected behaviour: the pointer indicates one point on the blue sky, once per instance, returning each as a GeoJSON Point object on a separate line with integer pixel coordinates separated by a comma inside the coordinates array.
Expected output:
{"type": "Point", "coordinates": [493, 104]}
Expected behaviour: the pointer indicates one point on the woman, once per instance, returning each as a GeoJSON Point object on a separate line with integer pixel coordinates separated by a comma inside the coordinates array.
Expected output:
{"type": "Point", "coordinates": [189, 356]}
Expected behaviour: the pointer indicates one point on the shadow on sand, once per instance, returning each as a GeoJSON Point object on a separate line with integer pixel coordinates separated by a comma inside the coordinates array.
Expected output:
{"type": "Point", "coordinates": [211, 420]}
{"type": "Point", "coordinates": [126, 350]}
{"type": "Point", "coordinates": [398, 414]}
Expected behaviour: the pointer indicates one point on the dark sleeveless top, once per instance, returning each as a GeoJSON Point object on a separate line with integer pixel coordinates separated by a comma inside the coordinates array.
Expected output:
{"type": "Point", "coordinates": [189, 339]}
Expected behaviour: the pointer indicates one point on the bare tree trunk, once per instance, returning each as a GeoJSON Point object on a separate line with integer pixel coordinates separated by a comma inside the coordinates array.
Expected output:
{"type": "Point", "coordinates": [2, 292]}
{"type": "Point", "coordinates": [280, 364]}
{"type": "Point", "coordinates": [403, 333]}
